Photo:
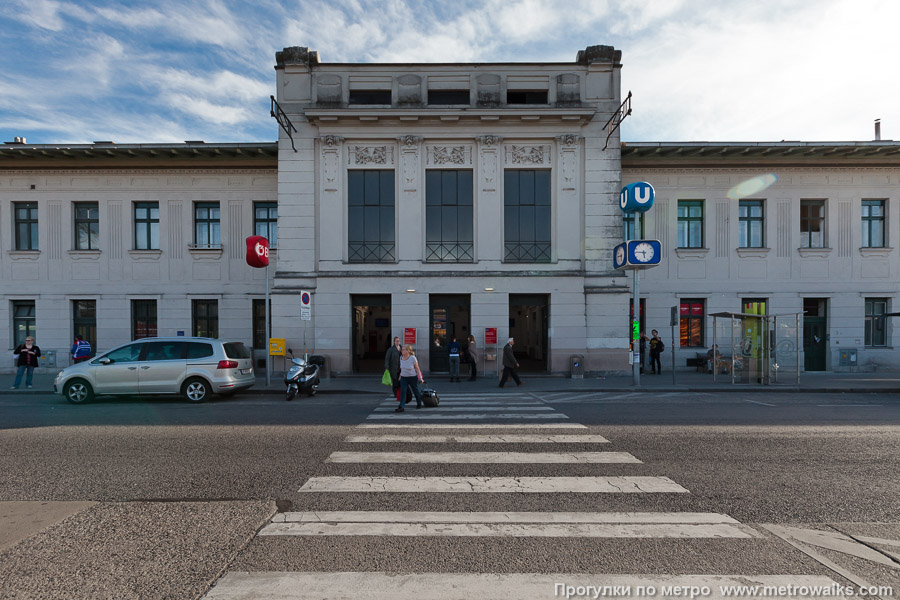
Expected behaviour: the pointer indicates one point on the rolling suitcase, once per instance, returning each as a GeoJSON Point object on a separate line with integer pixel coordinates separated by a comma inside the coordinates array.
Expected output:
{"type": "Point", "coordinates": [430, 398]}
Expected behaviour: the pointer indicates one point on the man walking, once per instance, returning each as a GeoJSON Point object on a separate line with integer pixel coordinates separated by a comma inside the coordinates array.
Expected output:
{"type": "Point", "coordinates": [81, 349]}
{"type": "Point", "coordinates": [392, 366]}
{"type": "Point", "coordinates": [453, 348]}
{"type": "Point", "coordinates": [510, 364]}
{"type": "Point", "coordinates": [656, 348]}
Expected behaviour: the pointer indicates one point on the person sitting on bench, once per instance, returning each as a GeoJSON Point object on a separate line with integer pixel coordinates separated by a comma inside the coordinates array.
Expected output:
{"type": "Point", "coordinates": [714, 360]}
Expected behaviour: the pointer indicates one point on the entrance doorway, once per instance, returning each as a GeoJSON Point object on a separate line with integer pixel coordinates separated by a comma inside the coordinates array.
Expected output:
{"type": "Point", "coordinates": [371, 318]}
{"type": "Point", "coordinates": [529, 325]}
{"type": "Point", "coordinates": [815, 348]}
{"type": "Point", "coordinates": [450, 316]}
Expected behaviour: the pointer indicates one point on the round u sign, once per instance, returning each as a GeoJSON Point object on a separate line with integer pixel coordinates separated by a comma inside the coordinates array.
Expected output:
{"type": "Point", "coordinates": [636, 197]}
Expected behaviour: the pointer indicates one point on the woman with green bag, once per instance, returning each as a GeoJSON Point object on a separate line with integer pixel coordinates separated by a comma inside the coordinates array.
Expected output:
{"type": "Point", "coordinates": [392, 367]}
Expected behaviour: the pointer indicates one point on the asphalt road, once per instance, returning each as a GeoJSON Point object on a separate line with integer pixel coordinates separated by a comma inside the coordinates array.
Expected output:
{"type": "Point", "coordinates": [183, 490]}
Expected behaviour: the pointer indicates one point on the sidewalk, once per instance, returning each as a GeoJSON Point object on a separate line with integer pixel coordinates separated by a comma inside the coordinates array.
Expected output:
{"type": "Point", "coordinates": [685, 381]}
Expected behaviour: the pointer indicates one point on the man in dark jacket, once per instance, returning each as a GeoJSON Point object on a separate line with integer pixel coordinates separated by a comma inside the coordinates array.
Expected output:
{"type": "Point", "coordinates": [656, 348]}
{"type": "Point", "coordinates": [510, 364]}
{"type": "Point", "coordinates": [392, 366]}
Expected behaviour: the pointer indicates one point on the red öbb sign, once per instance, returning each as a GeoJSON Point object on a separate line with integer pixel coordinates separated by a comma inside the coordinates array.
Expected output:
{"type": "Point", "coordinates": [257, 251]}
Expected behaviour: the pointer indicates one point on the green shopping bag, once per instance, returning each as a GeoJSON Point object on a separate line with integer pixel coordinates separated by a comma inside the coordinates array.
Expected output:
{"type": "Point", "coordinates": [386, 378]}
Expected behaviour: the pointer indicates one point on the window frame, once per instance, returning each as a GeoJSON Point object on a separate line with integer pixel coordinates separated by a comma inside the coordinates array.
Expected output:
{"type": "Point", "coordinates": [876, 322]}
{"type": "Point", "coordinates": [258, 322]}
{"type": "Point", "coordinates": [28, 321]}
{"type": "Point", "coordinates": [137, 318]}
{"type": "Point", "coordinates": [205, 325]}
{"type": "Point", "coordinates": [268, 223]}
{"type": "Point", "coordinates": [365, 199]}
{"type": "Point", "coordinates": [628, 225]}
{"type": "Point", "coordinates": [687, 335]}
{"type": "Point", "coordinates": [687, 220]}
{"type": "Point", "coordinates": [746, 222]}
{"type": "Point", "coordinates": [84, 321]}
{"type": "Point", "coordinates": [868, 220]}
{"type": "Point", "coordinates": [209, 224]}
{"type": "Point", "coordinates": [92, 223]}
{"type": "Point", "coordinates": [26, 227]}
{"type": "Point", "coordinates": [149, 224]}
{"type": "Point", "coordinates": [457, 198]}
{"type": "Point", "coordinates": [806, 236]}
{"type": "Point", "coordinates": [521, 249]}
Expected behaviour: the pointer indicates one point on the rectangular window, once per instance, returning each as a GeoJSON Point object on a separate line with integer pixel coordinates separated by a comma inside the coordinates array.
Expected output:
{"type": "Point", "coordinates": [448, 216]}
{"type": "Point", "coordinates": [205, 318]}
{"type": "Point", "coordinates": [377, 97]}
{"type": "Point", "coordinates": [146, 226]}
{"type": "Point", "coordinates": [690, 223]}
{"type": "Point", "coordinates": [265, 221]}
{"type": "Point", "coordinates": [448, 97]}
{"type": "Point", "coordinates": [259, 323]}
{"type": "Point", "coordinates": [751, 224]}
{"type": "Point", "coordinates": [526, 216]}
{"type": "Point", "coordinates": [84, 320]}
{"type": "Point", "coordinates": [876, 323]}
{"type": "Point", "coordinates": [143, 319]}
{"type": "Point", "coordinates": [629, 220]}
{"type": "Point", "coordinates": [87, 226]}
{"type": "Point", "coordinates": [370, 196]}
{"type": "Point", "coordinates": [24, 322]}
{"type": "Point", "coordinates": [26, 221]}
{"type": "Point", "coordinates": [207, 228]}
{"type": "Point", "coordinates": [526, 97]}
{"type": "Point", "coordinates": [693, 317]}
{"type": "Point", "coordinates": [873, 224]}
{"type": "Point", "coordinates": [812, 223]}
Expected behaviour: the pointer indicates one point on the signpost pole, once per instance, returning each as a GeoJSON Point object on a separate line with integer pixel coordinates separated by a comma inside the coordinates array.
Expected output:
{"type": "Point", "coordinates": [268, 332]}
{"type": "Point", "coordinates": [636, 328]}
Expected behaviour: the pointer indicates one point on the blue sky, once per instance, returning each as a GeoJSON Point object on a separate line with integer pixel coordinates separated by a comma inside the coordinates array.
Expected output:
{"type": "Point", "coordinates": [726, 70]}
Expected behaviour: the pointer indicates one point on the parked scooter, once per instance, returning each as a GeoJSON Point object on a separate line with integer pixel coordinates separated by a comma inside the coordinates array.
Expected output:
{"type": "Point", "coordinates": [302, 377]}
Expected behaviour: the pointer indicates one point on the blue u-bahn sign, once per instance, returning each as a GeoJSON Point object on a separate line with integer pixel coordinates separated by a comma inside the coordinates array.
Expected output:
{"type": "Point", "coordinates": [636, 197]}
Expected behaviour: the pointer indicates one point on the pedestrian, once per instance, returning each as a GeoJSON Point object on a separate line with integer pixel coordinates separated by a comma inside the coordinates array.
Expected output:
{"type": "Point", "coordinates": [643, 346]}
{"type": "Point", "coordinates": [26, 356]}
{"type": "Point", "coordinates": [392, 366]}
{"type": "Point", "coordinates": [453, 349]}
{"type": "Point", "coordinates": [656, 348]}
{"type": "Point", "coordinates": [410, 377]}
{"type": "Point", "coordinates": [510, 364]}
{"type": "Point", "coordinates": [473, 358]}
{"type": "Point", "coordinates": [81, 349]}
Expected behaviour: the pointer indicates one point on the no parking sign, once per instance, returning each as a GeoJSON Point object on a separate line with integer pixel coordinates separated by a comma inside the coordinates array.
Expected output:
{"type": "Point", "coordinates": [305, 305]}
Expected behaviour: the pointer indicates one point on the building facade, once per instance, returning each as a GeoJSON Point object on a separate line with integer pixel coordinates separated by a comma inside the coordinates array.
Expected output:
{"type": "Point", "coordinates": [431, 201]}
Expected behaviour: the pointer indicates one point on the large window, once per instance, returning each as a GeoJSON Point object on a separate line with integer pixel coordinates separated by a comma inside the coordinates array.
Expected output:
{"type": "Point", "coordinates": [526, 216]}
{"type": "Point", "coordinates": [26, 220]}
{"type": "Point", "coordinates": [693, 317]}
{"type": "Point", "coordinates": [84, 320]}
{"type": "Point", "coordinates": [143, 319]}
{"type": "Point", "coordinates": [630, 232]}
{"type": "Point", "coordinates": [205, 318]}
{"type": "Point", "coordinates": [448, 216]}
{"type": "Point", "coordinates": [812, 223]}
{"type": "Point", "coordinates": [873, 224]}
{"type": "Point", "coordinates": [24, 322]}
{"type": "Point", "coordinates": [751, 224]}
{"type": "Point", "coordinates": [265, 221]}
{"type": "Point", "coordinates": [146, 226]}
{"type": "Point", "coordinates": [259, 323]}
{"type": "Point", "coordinates": [370, 196]}
{"type": "Point", "coordinates": [87, 226]}
{"type": "Point", "coordinates": [207, 227]}
{"type": "Point", "coordinates": [876, 325]}
{"type": "Point", "coordinates": [690, 223]}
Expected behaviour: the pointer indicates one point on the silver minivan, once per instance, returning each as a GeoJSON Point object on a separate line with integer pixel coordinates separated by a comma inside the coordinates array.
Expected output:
{"type": "Point", "coordinates": [190, 366]}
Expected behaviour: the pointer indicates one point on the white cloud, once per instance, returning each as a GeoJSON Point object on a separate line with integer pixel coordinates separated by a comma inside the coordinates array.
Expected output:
{"type": "Point", "coordinates": [208, 22]}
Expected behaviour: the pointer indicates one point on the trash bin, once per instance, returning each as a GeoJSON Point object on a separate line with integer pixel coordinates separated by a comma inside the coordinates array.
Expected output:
{"type": "Point", "coordinates": [576, 366]}
{"type": "Point", "coordinates": [322, 362]}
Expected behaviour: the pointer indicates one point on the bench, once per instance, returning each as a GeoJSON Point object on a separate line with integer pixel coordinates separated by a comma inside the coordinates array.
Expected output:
{"type": "Point", "coordinates": [699, 362]}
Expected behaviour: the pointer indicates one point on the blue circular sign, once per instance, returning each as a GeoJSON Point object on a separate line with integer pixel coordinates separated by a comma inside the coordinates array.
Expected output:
{"type": "Point", "coordinates": [304, 298]}
{"type": "Point", "coordinates": [636, 197]}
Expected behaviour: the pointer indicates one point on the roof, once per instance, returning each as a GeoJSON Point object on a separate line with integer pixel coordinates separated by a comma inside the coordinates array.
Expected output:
{"type": "Point", "coordinates": [784, 153]}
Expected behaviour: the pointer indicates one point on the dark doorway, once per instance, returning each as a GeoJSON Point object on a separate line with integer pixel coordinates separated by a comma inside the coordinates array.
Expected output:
{"type": "Point", "coordinates": [371, 318]}
{"type": "Point", "coordinates": [529, 321]}
{"type": "Point", "coordinates": [815, 347]}
{"type": "Point", "coordinates": [449, 317]}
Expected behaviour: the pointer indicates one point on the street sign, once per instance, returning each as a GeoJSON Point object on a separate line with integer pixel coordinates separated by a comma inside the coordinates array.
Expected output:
{"type": "Point", "coordinates": [637, 254]}
{"type": "Point", "coordinates": [636, 197]}
{"type": "Point", "coordinates": [305, 299]}
{"type": "Point", "coordinates": [409, 336]}
{"type": "Point", "coordinates": [257, 251]}
{"type": "Point", "coordinates": [490, 335]}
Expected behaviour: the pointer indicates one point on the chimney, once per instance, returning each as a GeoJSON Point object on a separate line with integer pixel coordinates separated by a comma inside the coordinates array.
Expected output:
{"type": "Point", "coordinates": [877, 130]}
{"type": "Point", "coordinates": [18, 140]}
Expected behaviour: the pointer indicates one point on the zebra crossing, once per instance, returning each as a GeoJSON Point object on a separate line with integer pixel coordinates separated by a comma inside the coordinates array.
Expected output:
{"type": "Point", "coordinates": [465, 420]}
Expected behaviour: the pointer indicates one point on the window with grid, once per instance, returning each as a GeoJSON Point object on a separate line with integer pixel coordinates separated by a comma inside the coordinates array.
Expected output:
{"type": "Point", "coordinates": [812, 223]}
{"type": "Point", "coordinates": [146, 226]}
{"type": "Point", "coordinates": [207, 226]}
{"type": "Point", "coordinates": [526, 216]}
{"type": "Point", "coordinates": [751, 224]}
{"type": "Point", "coordinates": [690, 223]}
{"type": "Point", "coordinates": [84, 320]}
{"type": "Point", "coordinates": [259, 323]}
{"type": "Point", "coordinates": [24, 322]}
{"type": "Point", "coordinates": [630, 219]}
{"type": "Point", "coordinates": [873, 224]}
{"type": "Point", "coordinates": [143, 319]}
{"type": "Point", "coordinates": [205, 318]}
{"type": "Point", "coordinates": [693, 315]}
{"type": "Point", "coordinates": [876, 322]}
{"type": "Point", "coordinates": [370, 232]}
{"type": "Point", "coordinates": [87, 226]}
{"type": "Point", "coordinates": [25, 215]}
{"type": "Point", "coordinates": [448, 216]}
{"type": "Point", "coordinates": [265, 221]}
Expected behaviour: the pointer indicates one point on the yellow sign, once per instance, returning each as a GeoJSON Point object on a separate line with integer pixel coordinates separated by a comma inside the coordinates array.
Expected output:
{"type": "Point", "coordinates": [277, 346]}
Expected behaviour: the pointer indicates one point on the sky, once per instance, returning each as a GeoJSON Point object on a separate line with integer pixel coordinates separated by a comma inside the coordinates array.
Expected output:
{"type": "Point", "coordinates": [163, 71]}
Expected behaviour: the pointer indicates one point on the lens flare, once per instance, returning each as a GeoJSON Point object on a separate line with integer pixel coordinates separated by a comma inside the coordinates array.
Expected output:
{"type": "Point", "coordinates": [752, 186]}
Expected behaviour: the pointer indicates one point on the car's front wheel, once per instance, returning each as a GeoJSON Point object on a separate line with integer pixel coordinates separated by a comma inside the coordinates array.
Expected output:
{"type": "Point", "coordinates": [78, 391]}
{"type": "Point", "coordinates": [195, 390]}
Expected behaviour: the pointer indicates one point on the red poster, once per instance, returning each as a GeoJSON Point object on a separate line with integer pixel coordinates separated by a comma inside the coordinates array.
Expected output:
{"type": "Point", "coordinates": [490, 335]}
{"type": "Point", "coordinates": [409, 336]}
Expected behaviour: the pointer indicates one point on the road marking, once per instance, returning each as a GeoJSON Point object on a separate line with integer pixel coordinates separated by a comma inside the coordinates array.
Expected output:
{"type": "Point", "coordinates": [473, 416]}
{"type": "Point", "coordinates": [603, 485]}
{"type": "Point", "coordinates": [239, 585]}
{"type": "Point", "coordinates": [848, 405]}
{"type": "Point", "coordinates": [472, 426]}
{"type": "Point", "coordinates": [371, 516]}
{"type": "Point", "coordinates": [755, 402]}
{"type": "Point", "coordinates": [485, 457]}
{"type": "Point", "coordinates": [522, 438]}
{"type": "Point", "coordinates": [482, 408]}
{"type": "Point", "coordinates": [451, 402]}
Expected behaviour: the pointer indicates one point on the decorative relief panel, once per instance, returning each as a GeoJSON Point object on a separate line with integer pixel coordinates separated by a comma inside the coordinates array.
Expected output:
{"type": "Point", "coordinates": [115, 230]}
{"type": "Point", "coordinates": [783, 230]}
{"type": "Point", "coordinates": [488, 155]}
{"type": "Point", "coordinates": [845, 240]}
{"type": "Point", "coordinates": [331, 160]}
{"type": "Point", "coordinates": [176, 234]}
{"type": "Point", "coordinates": [409, 162]}
{"type": "Point", "coordinates": [370, 156]}
{"type": "Point", "coordinates": [568, 160]}
{"type": "Point", "coordinates": [527, 155]}
{"type": "Point", "coordinates": [721, 229]}
{"type": "Point", "coordinates": [441, 155]}
{"type": "Point", "coordinates": [56, 232]}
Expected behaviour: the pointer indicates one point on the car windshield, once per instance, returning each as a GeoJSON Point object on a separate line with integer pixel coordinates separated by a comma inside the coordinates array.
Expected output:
{"type": "Point", "coordinates": [236, 350]}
